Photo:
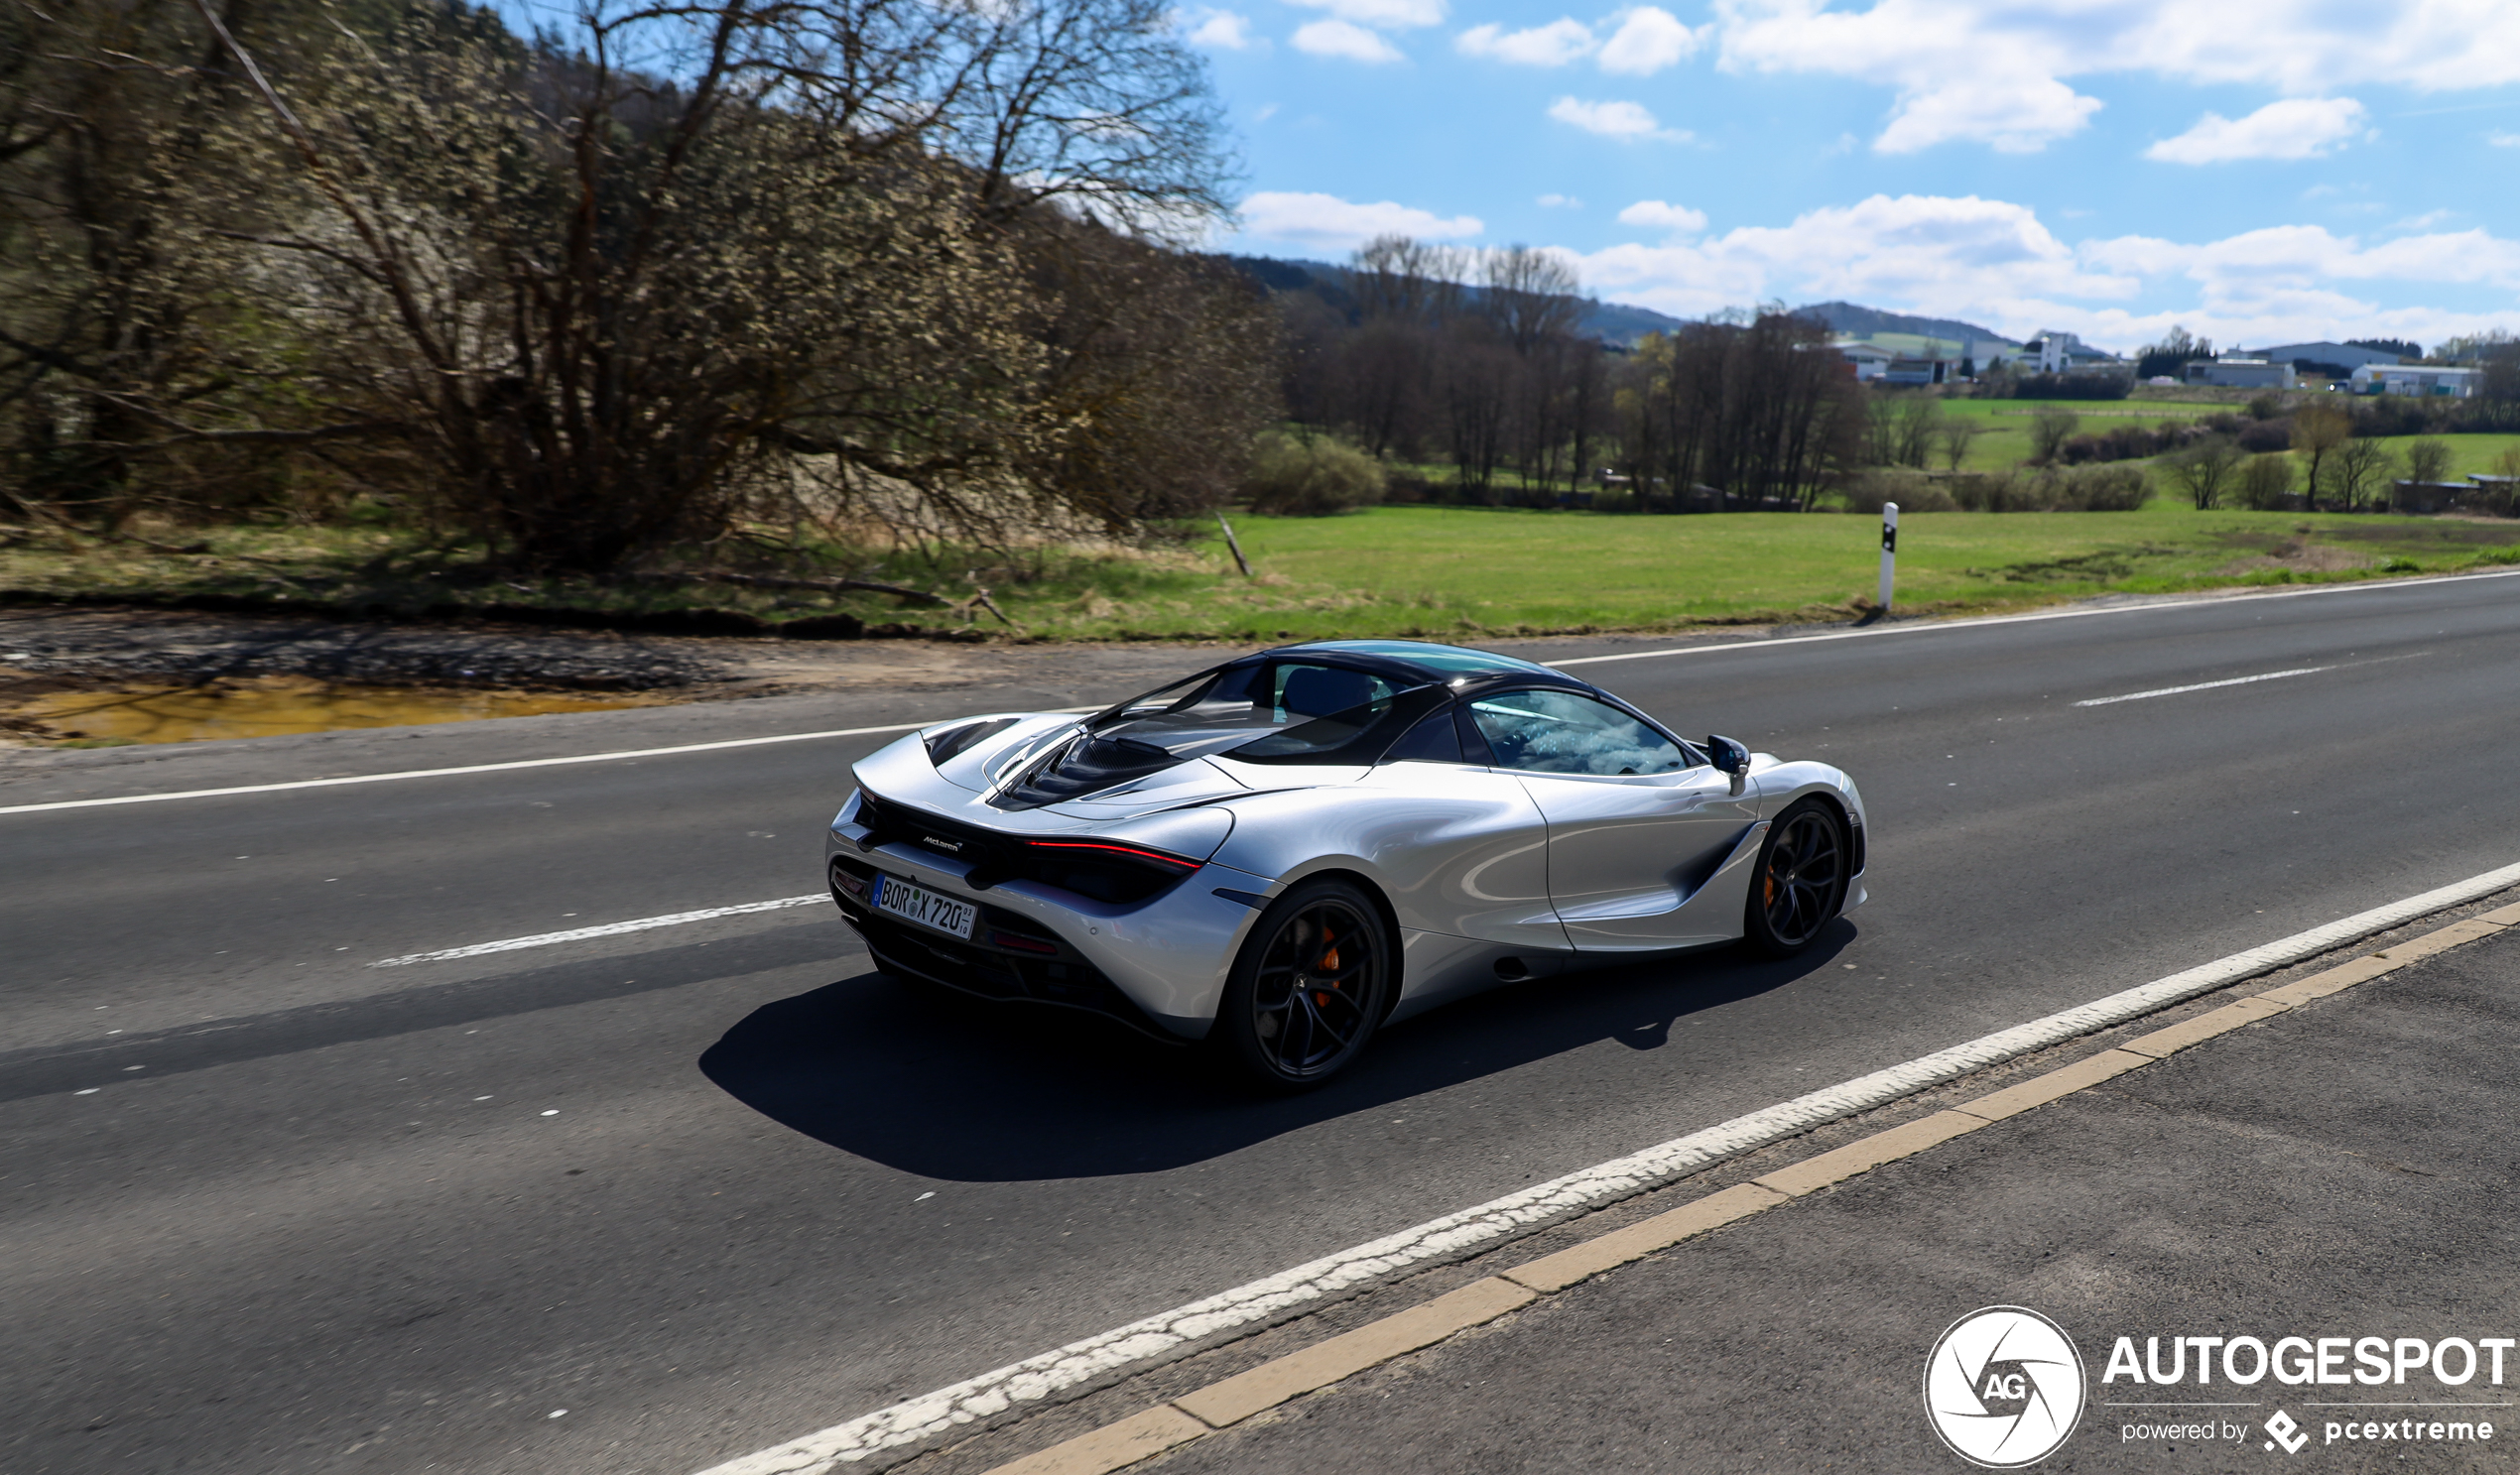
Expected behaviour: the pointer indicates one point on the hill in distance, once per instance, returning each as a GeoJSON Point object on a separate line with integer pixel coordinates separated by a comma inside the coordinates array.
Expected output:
{"type": "Point", "coordinates": [1858, 322]}
{"type": "Point", "coordinates": [1622, 323]}
{"type": "Point", "coordinates": [1618, 323]}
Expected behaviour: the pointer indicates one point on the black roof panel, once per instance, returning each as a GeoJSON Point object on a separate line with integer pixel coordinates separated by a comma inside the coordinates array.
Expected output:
{"type": "Point", "coordinates": [1427, 662]}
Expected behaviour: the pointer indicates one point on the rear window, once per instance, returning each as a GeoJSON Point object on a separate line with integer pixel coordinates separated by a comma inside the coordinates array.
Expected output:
{"type": "Point", "coordinates": [1265, 705]}
{"type": "Point", "coordinates": [1273, 711]}
{"type": "Point", "coordinates": [1269, 711]}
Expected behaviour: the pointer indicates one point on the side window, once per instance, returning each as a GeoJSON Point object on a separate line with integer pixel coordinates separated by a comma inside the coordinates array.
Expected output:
{"type": "Point", "coordinates": [1434, 740]}
{"type": "Point", "coordinates": [1559, 732]}
{"type": "Point", "coordinates": [1323, 691]}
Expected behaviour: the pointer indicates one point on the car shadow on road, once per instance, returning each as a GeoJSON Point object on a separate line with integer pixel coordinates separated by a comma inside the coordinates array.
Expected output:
{"type": "Point", "coordinates": [972, 1092]}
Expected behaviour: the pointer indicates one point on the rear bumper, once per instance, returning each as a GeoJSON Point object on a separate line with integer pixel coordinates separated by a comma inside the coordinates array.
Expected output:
{"type": "Point", "coordinates": [1158, 965]}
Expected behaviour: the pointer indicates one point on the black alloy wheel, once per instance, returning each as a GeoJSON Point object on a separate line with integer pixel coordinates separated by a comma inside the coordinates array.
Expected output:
{"type": "Point", "coordinates": [1801, 880]}
{"type": "Point", "coordinates": [1311, 982]}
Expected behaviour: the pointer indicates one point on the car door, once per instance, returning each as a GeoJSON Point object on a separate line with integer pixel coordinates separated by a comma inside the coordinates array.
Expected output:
{"type": "Point", "coordinates": [1462, 848]}
{"type": "Point", "coordinates": [1635, 825]}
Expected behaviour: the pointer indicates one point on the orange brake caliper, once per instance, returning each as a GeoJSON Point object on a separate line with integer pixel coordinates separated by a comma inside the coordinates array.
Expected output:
{"type": "Point", "coordinates": [1329, 959]}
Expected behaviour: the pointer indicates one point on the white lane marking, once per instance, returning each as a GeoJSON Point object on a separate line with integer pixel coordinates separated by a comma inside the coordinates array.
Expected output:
{"type": "Point", "coordinates": [1922, 627]}
{"type": "Point", "coordinates": [492, 768]}
{"type": "Point", "coordinates": [1098, 1357]}
{"type": "Point", "coordinates": [608, 929]}
{"type": "Point", "coordinates": [800, 737]}
{"type": "Point", "coordinates": [2272, 676]}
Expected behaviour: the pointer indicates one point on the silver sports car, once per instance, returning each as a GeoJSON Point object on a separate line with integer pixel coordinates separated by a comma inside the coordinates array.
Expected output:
{"type": "Point", "coordinates": [1284, 852]}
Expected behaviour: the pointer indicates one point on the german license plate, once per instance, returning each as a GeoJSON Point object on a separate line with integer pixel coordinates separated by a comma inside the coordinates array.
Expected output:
{"type": "Point", "coordinates": [914, 903]}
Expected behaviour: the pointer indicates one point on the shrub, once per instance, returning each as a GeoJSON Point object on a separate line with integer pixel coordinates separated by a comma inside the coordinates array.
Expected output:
{"type": "Point", "coordinates": [2103, 489]}
{"type": "Point", "coordinates": [2124, 444]}
{"type": "Point", "coordinates": [1310, 478]}
{"type": "Point", "coordinates": [2078, 489]}
{"type": "Point", "coordinates": [2427, 460]}
{"type": "Point", "coordinates": [1914, 493]}
{"type": "Point", "coordinates": [2267, 434]}
{"type": "Point", "coordinates": [2264, 482]}
{"type": "Point", "coordinates": [2073, 386]}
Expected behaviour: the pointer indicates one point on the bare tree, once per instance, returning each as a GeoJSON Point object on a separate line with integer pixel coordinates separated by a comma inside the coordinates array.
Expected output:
{"type": "Point", "coordinates": [2317, 430]}
{"type": "Point", "coordinates": [2205, 470]}
{"type": "Point", "coordinates": [690, 265]}
{"type": "Point", "coordinates": [2427, 460]}
{"type": "Point", "coordinates": [1956, 434]}
{"type": "Point", "coordinates": [1412, 281]}
{"type": "Point", "coordinates": [2362, 464]}
{"type": "Point", "coordinates": [1750, 409]}
{"type": "Point", "coordinates": [1915, 430]}
{"type": "Point", "coordinates": [1529, 294]}
{"type": "Point", "coordinates": [2050, 428]}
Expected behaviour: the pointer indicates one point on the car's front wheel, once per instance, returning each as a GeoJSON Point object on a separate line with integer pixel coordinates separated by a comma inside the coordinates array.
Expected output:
{"type": "Point", "coordinates": [1310, 985]}
{"type": "Point", "coordinates": [1800, 881]}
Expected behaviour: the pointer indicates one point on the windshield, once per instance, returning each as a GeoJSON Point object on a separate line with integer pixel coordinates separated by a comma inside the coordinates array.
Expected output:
{"type": "Point", "coordinates": [1273, 711]}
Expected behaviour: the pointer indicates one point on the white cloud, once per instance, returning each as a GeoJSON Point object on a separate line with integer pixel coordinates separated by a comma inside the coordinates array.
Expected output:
{"type": "Point", "coordinates": [1222, 29]}
{"type": "Point", "coordinates": [1964, 257]}
{"type": "Point", "coordinates": [1340, 38]}
{"type": "Point", "coordinates": [1624, 121]}
{"type": "Point", "coordinates": [1648, 40]}
{"type": "Point", "coordinates": [2502, 140]}
{"type": "Point", "coordinates": [1994, 262]}
{"type": "Point", "coordinates": [1326, 221]}
{"type": "Point", "coordinates": [1654, 215]}
{"type": "Point", "coordinates": [1560, 202]}
{"type": "Point", "coordinates": [1386, 15]}
{"type": "Point", "coordinates": [2283, 261]}
{"type": "Point", "coordinates": [1997, 72]}
{"type": "Point", "coordinates": [2296, 128]}
{"type": "Point", "coordinates": [1554, 44]}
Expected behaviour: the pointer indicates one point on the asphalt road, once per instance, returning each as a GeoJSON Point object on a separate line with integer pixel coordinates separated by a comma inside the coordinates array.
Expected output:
{"type": "Point", "coordinates": [710, 1186]}
{"type": "Point", "coordinates": [2342, 1170]}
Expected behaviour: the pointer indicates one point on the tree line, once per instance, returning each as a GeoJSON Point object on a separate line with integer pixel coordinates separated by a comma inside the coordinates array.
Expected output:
{"type": "Point", "coordinates": [1476, 361]}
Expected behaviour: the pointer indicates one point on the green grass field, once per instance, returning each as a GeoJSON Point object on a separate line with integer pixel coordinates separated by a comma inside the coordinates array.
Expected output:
{"type": "Point", "coordinates": [1449, 571]}
{"type": "Point", "coordinates": [1446, 572]}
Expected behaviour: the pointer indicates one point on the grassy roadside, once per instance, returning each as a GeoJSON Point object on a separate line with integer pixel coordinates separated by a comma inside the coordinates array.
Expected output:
{"type": "Point", "coordinates": [1449, 572]}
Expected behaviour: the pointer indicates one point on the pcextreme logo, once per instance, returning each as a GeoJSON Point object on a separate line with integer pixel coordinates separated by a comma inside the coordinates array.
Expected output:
{"type": "Point", "coordinates": [2003, 1386]}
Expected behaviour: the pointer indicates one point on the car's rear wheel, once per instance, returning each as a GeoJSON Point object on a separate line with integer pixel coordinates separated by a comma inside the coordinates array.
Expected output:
{"type": "Point", "coordinates": [1310, 985]}
{"type": "Point", "coordinates": [1801, 880]}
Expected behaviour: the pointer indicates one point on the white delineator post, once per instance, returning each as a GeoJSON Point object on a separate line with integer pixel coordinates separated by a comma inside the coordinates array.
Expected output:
{"type": "Point", "coordinates": [1889, 550]}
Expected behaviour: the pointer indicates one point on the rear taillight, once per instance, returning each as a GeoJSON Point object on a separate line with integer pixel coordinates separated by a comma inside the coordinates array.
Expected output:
{"type": "Point", "coordinates": [1022, 943]}
{"type": "Point", "coordinates": [1179, 865]}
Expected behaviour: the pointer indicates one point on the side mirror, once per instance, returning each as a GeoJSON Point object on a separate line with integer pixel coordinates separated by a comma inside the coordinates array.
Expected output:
{"type": "Point", "coordinates": [1730, 758]}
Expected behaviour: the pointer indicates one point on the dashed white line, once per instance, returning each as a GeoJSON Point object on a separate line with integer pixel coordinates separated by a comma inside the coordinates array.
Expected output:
{"type": "Point", "coordinates": [489, 767]}
{"type": "Point", "coordinates": [608, 929]}
{"type": "Point", "coordinates": [1096, 1358]}
{"type": "Point", "coordinates": [1714, 648]}
{"type": "Point", "coordinates": [2271, 675]}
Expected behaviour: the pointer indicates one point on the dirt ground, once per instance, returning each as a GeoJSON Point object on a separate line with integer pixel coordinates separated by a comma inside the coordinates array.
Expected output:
{"type": "Point", "coordinates": [48, 649]}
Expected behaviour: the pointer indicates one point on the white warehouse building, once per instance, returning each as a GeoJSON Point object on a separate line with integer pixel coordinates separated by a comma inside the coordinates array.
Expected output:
{"type": "Point", "coordinates": [2415, 379]}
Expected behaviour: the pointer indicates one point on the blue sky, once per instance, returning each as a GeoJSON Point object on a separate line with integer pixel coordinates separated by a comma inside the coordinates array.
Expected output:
{"type": "Point", "coordinates": [2257, 171]}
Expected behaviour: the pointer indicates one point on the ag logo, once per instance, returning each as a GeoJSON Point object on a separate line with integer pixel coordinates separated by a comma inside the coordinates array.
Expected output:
{"type": "Point", "coordinates": [2004, 1387]}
